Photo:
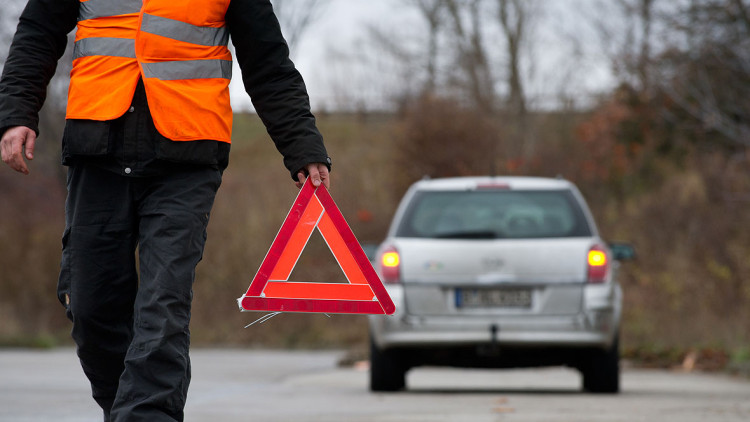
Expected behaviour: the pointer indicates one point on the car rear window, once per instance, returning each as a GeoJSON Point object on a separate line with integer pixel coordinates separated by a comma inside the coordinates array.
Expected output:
{"type": "Point", "coordinates": [494, 214]}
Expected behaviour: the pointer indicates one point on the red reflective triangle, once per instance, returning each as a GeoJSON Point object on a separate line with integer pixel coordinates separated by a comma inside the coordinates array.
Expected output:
{"type": "Point", "coordinates": [271, 290]}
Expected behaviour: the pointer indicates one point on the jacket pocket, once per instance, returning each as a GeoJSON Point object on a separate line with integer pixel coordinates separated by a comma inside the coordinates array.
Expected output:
{"type": "Point", "coordinates": [85, 137]}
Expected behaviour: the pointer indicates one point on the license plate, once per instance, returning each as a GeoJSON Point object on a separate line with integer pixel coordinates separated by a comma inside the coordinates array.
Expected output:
{"type": "Point", "coordinates": [493, 298]}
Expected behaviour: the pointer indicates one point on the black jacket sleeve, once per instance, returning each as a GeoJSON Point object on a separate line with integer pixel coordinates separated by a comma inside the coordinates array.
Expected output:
{"type": "Point", "coordinates": [38, 44]}
{"type": "Point", "coordinates": [275, 86]}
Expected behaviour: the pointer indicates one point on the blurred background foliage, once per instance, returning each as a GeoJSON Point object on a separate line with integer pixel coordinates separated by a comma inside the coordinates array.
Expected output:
{"type": "Point", "coordinates": [661, 155]}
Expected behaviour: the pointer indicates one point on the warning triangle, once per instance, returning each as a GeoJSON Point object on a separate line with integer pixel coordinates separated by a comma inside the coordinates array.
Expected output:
{"type": "Point", "coordinates": [271, 290]}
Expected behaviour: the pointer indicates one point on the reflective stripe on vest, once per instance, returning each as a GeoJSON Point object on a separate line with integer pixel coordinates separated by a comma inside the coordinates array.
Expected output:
{"type": "Point", "coordinates": [92, 9]}
{"type": "Point", "coordinates": [170, 28]}
{"type": "Point", "coordinates": [103, 46]}
{"type": "Point", "coordinates": [183, 31]}
{"type": "Point", "coordinates": [188, 69]}
{"type": "Point", "coordinates": [179, 48]}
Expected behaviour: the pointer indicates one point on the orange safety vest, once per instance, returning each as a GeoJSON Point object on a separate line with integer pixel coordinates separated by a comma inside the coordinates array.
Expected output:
{"type": "Point", "coordinates": [178, 47]}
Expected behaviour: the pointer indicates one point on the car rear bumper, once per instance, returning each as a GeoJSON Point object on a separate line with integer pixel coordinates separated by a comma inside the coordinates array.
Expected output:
{"type": "Point", "coordinates": [586, 329]}
{"type": "Point", "coordinates": [595, 325]}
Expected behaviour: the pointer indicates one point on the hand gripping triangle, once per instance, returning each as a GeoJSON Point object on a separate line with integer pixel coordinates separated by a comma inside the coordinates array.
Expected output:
{"type": "Point", "coordinates": [271, 290]}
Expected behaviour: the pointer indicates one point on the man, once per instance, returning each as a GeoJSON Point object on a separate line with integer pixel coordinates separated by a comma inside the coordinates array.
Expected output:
{"type": "Point", "coordinates": [147, 136]}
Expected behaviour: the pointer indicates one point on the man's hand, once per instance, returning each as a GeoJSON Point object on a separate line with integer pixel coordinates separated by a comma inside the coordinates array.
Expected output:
{"type": "Point", "coordinates": [13, 144]}
{"type": "Point", "coordinates": [318, 173]}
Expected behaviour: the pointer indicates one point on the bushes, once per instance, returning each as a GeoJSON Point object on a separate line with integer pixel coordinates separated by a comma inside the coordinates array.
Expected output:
{"type": "Point", "coordinates": [31, 226]}
{"type": "Point", "coordinates": [677, 196]}
{"type": "Point", "coordinates": [692, 275]}
{"type": "Point", "coordinates": [439, 137]}
{"type": "Point", "coordinates": [686, 216]}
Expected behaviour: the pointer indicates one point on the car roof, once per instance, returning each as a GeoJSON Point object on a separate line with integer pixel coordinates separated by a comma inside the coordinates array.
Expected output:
{"type": "Point", "coordinates": [507, 182]}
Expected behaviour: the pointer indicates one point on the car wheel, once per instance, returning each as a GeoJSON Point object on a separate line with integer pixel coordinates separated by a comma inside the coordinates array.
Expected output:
{"type": "Point", "coordinates": [387, 369]}
{"type": "Point", "coordinates": [601, 374]}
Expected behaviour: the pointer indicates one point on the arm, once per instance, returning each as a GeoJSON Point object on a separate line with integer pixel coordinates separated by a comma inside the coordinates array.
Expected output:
{"type": "Point", "coordinates": [276, 88]}
{"type": "Point", "coordinates": [15, 142]}
{"type": "Point", "coordinates": [38, 44]}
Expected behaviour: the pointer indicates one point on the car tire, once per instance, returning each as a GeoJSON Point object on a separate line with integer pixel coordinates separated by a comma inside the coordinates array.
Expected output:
{"type": "Point", "coordinates": [387, 369]}
{"type": "Point", "coordinates": [601, 373]}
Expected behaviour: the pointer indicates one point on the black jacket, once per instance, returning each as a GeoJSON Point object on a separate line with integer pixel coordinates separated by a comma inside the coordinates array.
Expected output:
{"type": "Point", "coordinates": [270, 78]}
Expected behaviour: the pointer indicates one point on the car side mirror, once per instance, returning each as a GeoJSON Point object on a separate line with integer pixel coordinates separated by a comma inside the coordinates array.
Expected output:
{"type": "Point", "coordinates": [622, 251]}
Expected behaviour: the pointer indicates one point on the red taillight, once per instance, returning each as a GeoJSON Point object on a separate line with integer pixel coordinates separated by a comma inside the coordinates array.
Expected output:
{"type": "Point", "coordinates": [390, 263]}
{"type": "Point", "coordinates": [598, 264]}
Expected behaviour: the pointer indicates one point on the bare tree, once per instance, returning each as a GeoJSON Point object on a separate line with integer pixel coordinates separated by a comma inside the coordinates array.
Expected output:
{"type": "Point", "coordinates": [626, 32]}
{"type": "Point", "coordinates": [469, 28]}
{"type": "Point", "coordinates": [515, 21]}
{"type": "Point", "coordinates": [688, 61]}
{"type": "Point", "coordinates": [645, 10]}
{"type": "Point", "coordinates": [472, 58]}
{"type": "Point", "coordinates": [8, 19]}
{"type": "Point", "coordinates": [743, 14]}
{"type": "Point", "coordinates": [296, 16]}
{"type": "Point", "coordinates": [514, 16]}
{"type": "Point", "coordinates": [710, 78]}
{"type": "Point", "coordinates": [432, 11]}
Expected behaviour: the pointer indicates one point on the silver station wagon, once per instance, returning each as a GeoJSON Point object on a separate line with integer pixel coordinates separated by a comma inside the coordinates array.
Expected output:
{"type": "Point", "coordinates": [497, 272]}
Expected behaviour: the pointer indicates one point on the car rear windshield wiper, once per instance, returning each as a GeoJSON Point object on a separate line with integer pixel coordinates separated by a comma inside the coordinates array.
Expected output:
{"type": "Point", "coordinates": [486, 234]}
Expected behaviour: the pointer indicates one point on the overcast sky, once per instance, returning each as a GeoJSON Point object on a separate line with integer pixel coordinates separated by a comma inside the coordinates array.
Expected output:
{"type": "Point", "coordinates": [338, 59]}
{"type": "Point", "coordinates": [342, 29]}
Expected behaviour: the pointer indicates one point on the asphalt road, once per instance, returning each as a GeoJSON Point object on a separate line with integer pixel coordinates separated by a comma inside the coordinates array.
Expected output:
{"type": "Point", "coordinates": [268, 386]}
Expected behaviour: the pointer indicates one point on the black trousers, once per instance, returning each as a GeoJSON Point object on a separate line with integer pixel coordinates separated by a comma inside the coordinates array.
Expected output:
{"type": "Point", "coordinates": [132, 332]}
